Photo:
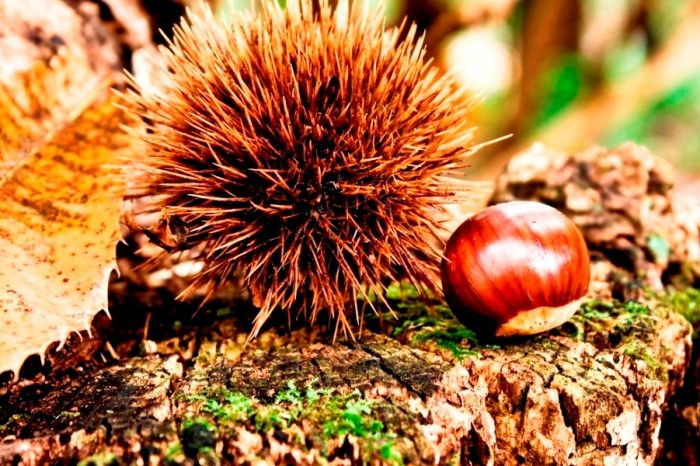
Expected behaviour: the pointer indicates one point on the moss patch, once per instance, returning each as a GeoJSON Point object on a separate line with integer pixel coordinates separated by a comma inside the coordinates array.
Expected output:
{"type": "Point", "coordinates": [686, 302]}
{"type": "Point", "coordinates": [100, 459]}
{"type": "Point", "coordinates": [614, 320]}
{"type": "Point", "coordinates": [339, 415]}
{"type": "Point", "coordinates": [424, 321]}
{"type": "Point", "coordinates": [13, 422]}
{"type": "Point", "coordinates": [434, 325]}
{"type": "Point", "coordinates": [627, 327]}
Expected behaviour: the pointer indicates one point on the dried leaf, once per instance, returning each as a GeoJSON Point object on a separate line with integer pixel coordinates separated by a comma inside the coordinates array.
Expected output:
{"type": "Point", "coordinates": [59, 205]}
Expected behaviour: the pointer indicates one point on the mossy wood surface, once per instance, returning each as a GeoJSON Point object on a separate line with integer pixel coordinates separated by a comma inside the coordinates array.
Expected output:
{"type": "Point", "coordinates": [419, 390]}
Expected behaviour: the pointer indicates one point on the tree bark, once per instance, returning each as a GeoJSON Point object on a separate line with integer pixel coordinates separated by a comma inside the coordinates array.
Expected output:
{"type": "Point", "coordinates": [591, 393]}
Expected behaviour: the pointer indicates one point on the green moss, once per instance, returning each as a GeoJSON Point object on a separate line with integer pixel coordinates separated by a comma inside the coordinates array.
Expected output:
{"type": "Point", "coordinates": [189, 422]}
{"type": "Point", "coordinates": [626, 326]}
{"type": "Point", "coordinates": [635, 308]}
{"type": "Point", "coordinates": [686, 302]}
{"type": "Point", "coordinates": [174, 452]}
{"type": "Point", "coordinates": [659, 248]}
{"type": "Point", "coordinates": [414, 324]}
{"type": "Point", "coordinates": [618, 319]}
{"type": "Point", "coordinates": [11, 421]}
{"type": "Point", "coordinates": [639, 351]}
{"type": "Point", "coordinates": [595, 310]}
{"type": "Point", "coordinates": [339, 415]}
{"type": "Point", "coordinates": [68, 414]}
{"type": "Point", "coordinates": [351, 415]}
{"type": "Point", "coordinates": [100, 459]}
{"type": "Point", "coordinates": [397, 292]}
{"type": "Point", "coordinates": [228, 406]}
{"type": "Point", "coordinates": [546, 344]}
{"type": "Point", "coordinates": [423, 323]}
{"type": "Point", "coordinates": [402, 291]}
{"type": "Point", "coordinates": [390, 455]}
{"type": "Point", "coordinates": [602, 310]}
{"type": "Point", "coordinates": [458, 340]}
{"type": "Point", "coordinates": [224, 312]}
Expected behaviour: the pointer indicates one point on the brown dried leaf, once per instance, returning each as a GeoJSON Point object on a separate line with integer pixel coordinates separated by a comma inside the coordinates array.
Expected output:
{"type": "Point", "coordinates": [59, 206]}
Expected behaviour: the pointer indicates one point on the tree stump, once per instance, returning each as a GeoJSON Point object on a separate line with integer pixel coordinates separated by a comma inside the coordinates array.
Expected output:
{"type": "Point", "coordinates": [420, 390]}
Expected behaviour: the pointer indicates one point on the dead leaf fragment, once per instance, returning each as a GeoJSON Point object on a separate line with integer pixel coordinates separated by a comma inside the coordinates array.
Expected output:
{"type": "Point", "coordinates": [59, 204]}
{"type": "Point", "coordinates": [58, 227]}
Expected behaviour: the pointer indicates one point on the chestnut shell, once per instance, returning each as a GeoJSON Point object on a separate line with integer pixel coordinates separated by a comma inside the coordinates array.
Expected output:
{"type": "Point", "coordinates": [516, 268]}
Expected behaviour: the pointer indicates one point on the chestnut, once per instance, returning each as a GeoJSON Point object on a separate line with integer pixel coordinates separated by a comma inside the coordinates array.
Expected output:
{"type": "Point", "coordinates": [516, 268]}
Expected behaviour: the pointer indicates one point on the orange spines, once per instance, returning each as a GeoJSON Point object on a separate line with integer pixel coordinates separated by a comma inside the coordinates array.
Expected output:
{"type": "Point", "coordinates": [308, 151]}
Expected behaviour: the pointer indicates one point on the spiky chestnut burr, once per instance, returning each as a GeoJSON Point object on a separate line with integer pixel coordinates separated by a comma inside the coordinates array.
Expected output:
{"type": "Point", "coordinates": [308, 150]}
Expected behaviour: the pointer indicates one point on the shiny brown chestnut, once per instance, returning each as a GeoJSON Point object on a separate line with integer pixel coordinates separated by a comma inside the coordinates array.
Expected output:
{"type": "Point", "coordinates": [517, 268]}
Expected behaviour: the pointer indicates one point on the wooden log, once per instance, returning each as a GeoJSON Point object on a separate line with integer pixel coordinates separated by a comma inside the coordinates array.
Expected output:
{"type": "Point", "coordinates": [420, 390]}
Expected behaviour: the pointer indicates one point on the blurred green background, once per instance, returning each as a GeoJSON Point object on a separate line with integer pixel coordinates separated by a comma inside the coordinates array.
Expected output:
{"type": "Point", "coordinates": [569, 73]}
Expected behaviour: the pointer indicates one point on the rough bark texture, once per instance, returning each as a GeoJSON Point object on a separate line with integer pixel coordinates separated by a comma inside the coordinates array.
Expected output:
{"type": "Point", "coordinates": [420, 389]}
{"type": "Point", "coordinates": [591, 393]}
{"type": "Point", "coordinates": [621, 199]}
{"type": "Point", "coordinates": [680, 434]}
